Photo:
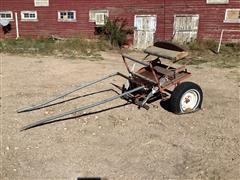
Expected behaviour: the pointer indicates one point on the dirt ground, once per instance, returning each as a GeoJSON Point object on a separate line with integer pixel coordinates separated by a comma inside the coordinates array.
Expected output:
{"type": "Point", "coordinates": [122, 142]}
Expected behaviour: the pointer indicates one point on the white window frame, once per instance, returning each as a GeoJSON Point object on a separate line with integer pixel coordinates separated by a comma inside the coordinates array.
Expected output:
{"type": "Point", "coordinates": [93, 14]}
{"type": "Point", "coordinates": [7, 12]}
{"type": "Point", "coordinates": [67, 19]}
{"type": "Point", "coordinates": [41, 3]}
{"type": "Point", "coordinates": [29, 18]}
{"type": "Point", "coordinates": [217, 1]}
{"type": "Point", "coordinates": [231, 21]}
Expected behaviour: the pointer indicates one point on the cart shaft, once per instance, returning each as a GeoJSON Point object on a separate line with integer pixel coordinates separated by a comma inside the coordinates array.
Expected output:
{"type": "Point", "coordinates": [56, 117]}
{"type": "Point", "coordinates": [45, 103]}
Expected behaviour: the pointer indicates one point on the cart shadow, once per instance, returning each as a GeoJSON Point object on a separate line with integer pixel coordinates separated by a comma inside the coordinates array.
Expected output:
{"type": "Point", "coordinates": [166, 105]}
{"type": "Point", "coordinates": [71, 99]}
{"type": "Point", "coordinates": [79, 116]}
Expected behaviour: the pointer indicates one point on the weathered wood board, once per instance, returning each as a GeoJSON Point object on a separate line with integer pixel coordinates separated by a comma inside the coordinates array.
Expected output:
{"type": "Point", "coordinates": [165, 53]}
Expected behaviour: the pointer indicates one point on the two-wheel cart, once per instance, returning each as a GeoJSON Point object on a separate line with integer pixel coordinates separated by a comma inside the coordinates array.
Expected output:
{"type": "Point", "coordinates": [154, 80]}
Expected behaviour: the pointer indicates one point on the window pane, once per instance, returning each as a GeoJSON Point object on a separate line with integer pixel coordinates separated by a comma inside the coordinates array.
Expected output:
{"type": "Point", "coordinates": [62, 14]}
{"type": "Point", "coordinates": [98, 16]}
{"type": "Point", "coordinates": [32, 15]}
{"type": "Point", "coordinates": [5, 15]}
{"type": "Point", "coordinates": [70, 15]}
{"type": "Point", "coordinates": [8, 15]}
{"type": "Point", "coordinates": [66, 15]}
{"type": "Point", "coordinates": [217, 1]}
{"type": "Point", "coordinates": [41, 2]}
{"type": "Point", "coordinates": [233, 14]}
{"type": "Point", "coordinates": [26, 15]}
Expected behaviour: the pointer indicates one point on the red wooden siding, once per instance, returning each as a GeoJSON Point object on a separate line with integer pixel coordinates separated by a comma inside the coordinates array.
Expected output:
{"type": "Point", "coordinates": [210, 24]}
{"type": "Point", "coordinates": [211, 17]}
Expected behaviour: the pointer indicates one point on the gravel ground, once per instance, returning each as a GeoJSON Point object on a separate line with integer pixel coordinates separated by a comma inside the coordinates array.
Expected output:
{"type": "Point", "coordinates": [122, 142]}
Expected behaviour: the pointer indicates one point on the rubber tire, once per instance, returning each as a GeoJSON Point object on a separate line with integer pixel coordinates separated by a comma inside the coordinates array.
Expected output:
{"type": "Point", "coordinates": [177, 94]}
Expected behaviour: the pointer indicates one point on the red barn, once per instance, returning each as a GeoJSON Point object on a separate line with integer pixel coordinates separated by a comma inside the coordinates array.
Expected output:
{"type": "Point", "coordinates": [180, 20]}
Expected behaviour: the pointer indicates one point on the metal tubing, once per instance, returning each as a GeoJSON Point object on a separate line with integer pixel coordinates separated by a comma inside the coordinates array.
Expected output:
{"type": "Point", "coordinates": [154, 74]}
{"type": "Point", "coordinates": [42, 104]}
{"type": "Point", "coordinates": [147, 98]}
{"type": "Point", "coordinates": [134, 60]}
{"type": "Point", "coordinates": [124, 60]}
{"type": "Point", "coordinates": [49, 119]}
{"type": "Point", "coordinates": [220, 41]}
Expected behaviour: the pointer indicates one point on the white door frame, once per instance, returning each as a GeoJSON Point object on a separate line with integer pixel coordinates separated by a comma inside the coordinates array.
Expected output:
{"type": "Point", "coordinates": [150, 30]}
{"type": "Point", "coordinates": [183, 15]}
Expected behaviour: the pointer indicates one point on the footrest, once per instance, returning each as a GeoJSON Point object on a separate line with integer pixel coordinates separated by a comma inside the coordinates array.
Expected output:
{"type": "Point", "coordinates": [164, 71]}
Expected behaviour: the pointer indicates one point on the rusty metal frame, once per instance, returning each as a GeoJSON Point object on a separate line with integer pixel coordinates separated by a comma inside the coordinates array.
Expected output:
{"type": "Point", "coordinates": [162, 89]}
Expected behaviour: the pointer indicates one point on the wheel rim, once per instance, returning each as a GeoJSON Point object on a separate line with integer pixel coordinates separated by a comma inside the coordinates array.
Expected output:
{"type": "Point", "coordinates": [190, 100]}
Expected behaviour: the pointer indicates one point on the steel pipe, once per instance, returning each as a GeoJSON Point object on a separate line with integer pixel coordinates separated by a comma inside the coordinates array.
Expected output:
{"type": "Point", "coordinates": [53, 118]}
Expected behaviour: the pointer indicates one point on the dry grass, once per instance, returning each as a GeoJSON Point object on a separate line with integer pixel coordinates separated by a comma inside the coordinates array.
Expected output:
{"type": "Point", "coordinates": [77, 47]}
{"type": "Point", "coordinates": [205, 52]}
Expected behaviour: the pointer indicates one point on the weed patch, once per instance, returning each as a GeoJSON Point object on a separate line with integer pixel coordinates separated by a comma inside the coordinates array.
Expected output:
{"type": "Point", "coordinates": [116, 32]}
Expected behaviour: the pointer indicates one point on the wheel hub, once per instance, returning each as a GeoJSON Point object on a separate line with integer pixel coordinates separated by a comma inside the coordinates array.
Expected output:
{"type": "Point", "coordinates": [189, 100]}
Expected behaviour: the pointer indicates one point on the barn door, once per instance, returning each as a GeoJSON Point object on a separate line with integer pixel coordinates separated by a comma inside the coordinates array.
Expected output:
{"type": "Point", "coordinates": [185, 28]}
{"type": "Point", "coordinates": [145, 27]}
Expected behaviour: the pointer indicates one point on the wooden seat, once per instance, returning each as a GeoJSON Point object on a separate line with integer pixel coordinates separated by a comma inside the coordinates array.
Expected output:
{"type": "Point", "coordinates": [165, 53]}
